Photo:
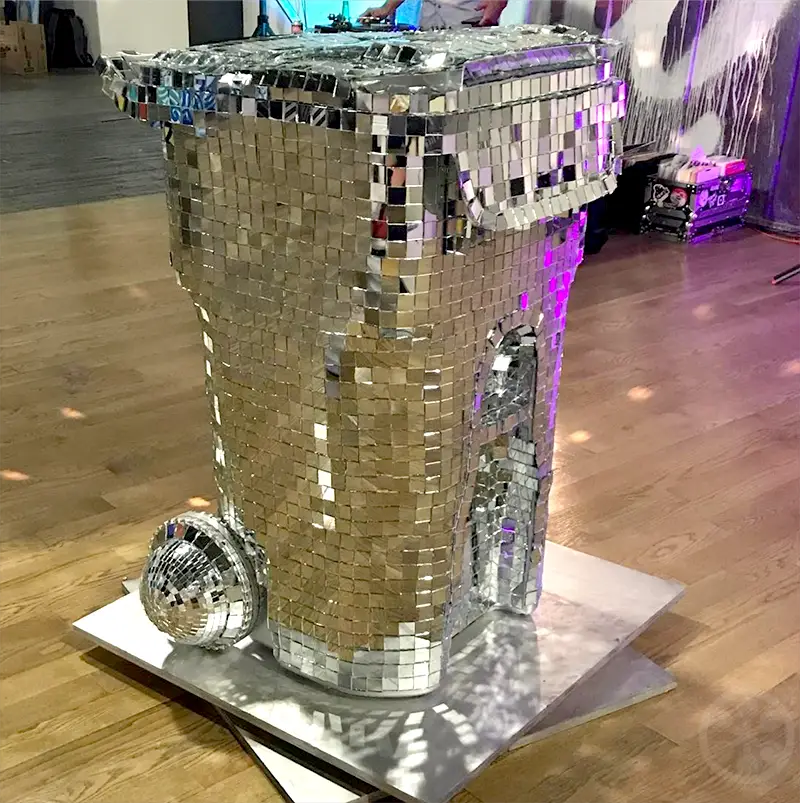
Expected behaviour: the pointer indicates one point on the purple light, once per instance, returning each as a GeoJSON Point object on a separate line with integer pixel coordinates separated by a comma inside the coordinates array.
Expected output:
{"type": "Point", "coordinates": [554, 396]}
{"type": "Point", "coordinates": [578, 120]}
{"type": "Point", "coordinates": [770, 205]}
{"type": "Point", "coordinates": [698, 23]}
{"type": "Point", "coordinates": [548, 258]}
{"type": "Point", "coordinates": [523, 301]}
{"type": "Point", "coordinates": [478, 401]}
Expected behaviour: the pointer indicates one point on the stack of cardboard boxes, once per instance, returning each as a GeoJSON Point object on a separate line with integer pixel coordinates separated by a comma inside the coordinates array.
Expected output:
{"type": "Point", "coordinates": [22, 48]}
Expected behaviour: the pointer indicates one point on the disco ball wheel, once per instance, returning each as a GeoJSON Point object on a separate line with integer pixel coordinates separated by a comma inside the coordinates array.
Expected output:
{"type": "Point", "coordinates": [199, 585]}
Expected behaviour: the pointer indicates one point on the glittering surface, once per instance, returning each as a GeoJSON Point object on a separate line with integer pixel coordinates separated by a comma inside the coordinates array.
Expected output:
{"type": "Point", "coordinates": [199, 585]}
{"type": "Point", "coordinates": [380, 250]}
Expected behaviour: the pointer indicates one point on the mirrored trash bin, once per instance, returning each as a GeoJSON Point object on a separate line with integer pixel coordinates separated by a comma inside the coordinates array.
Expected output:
{"type": "Point", "coordinates": [379, 233]}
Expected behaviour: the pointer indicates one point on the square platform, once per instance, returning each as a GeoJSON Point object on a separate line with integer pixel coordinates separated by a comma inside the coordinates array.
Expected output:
{"type": "Point", "coordinates": [627, 679]}
{"type": "Point", "coordinates": [507, 673]}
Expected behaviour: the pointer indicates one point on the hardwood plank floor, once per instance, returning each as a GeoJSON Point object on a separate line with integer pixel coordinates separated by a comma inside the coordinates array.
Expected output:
{"type": "Point", "coordinates": [678, 453]}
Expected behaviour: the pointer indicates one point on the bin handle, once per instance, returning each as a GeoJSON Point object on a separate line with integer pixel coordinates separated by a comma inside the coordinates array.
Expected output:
{"type": "Point", "coordinates": [497, 216]}
{"type": "Point", "coordinates": [522, 211]}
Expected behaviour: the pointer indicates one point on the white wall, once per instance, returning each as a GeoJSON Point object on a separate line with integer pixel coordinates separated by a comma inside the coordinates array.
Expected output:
{"type": "Point", "coordinates": [142, 25]}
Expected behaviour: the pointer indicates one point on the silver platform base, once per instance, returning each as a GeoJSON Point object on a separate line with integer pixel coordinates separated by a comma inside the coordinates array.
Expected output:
{"type": "Point", "coordinates": [628, 678]}
{"type": "Point", "coordinates": [507, 674]}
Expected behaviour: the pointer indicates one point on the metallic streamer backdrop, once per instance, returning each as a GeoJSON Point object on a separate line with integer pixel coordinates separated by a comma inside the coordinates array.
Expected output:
{"type": "Point", "coordinates": [718, 74]}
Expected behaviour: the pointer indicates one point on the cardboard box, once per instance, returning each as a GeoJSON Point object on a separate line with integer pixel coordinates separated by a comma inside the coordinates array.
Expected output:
{"type": "Point", "coordinates": [22, 49]}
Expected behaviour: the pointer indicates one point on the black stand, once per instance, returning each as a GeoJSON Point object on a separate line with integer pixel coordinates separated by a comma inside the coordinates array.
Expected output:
{"type": "Point", "coordinates": [262, 27]}
{"type": "Point", "coordinates": [262, 23]}
{"type": "Point", "coordinates": [781, 277]}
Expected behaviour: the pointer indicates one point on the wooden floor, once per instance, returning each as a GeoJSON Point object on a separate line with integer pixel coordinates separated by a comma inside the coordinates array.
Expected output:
{"type": "Point", "coordinates": [678, 454]}
{"type": "Point", "coordinates": [62, 142]}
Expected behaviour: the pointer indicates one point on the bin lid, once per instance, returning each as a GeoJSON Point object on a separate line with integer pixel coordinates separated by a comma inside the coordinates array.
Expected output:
{"type": "Point", "coordinates": [424, 85]}
{"type": "Point", "coordinates": [376, 62]}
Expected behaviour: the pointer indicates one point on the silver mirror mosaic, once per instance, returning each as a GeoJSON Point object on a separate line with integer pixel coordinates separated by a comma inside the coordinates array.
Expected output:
{"type": "Point", "coordinates": [379, 233]}
{"type": "Point", "coordinates": [200, 582]}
